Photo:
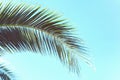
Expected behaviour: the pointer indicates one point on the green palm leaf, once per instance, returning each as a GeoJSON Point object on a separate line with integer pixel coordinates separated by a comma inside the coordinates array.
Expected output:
{"type": "Point", "coordinates": [28, 28]}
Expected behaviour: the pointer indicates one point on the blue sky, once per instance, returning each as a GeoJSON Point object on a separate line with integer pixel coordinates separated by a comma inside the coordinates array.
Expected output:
{"type": "Point", "coordinates": [97, 23]}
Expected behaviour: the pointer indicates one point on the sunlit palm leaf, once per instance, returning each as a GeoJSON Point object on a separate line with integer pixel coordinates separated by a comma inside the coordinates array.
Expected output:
{"type": "Point", "coordinates": [24, 27]}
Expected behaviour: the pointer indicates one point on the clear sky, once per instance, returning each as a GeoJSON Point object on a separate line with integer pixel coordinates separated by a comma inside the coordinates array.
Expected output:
{"type": "Point", "coordinates": [97, 23]}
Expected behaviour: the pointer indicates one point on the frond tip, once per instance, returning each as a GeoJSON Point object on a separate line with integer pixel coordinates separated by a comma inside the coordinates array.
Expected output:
{"type": "Point", "coordinates": [23, 27]}
{"type": "Point", "coordinates": [5, 73]}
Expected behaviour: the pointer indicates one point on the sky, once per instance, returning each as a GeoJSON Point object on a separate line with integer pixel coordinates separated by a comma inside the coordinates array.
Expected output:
{"type": "Point", "coordinates": [97, 23]}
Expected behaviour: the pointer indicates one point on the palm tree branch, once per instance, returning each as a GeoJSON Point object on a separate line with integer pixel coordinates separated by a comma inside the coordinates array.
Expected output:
{"type": "Point", "coordinates": [5, 73]}
{"type": "Point", "coordinates": [39, 30]}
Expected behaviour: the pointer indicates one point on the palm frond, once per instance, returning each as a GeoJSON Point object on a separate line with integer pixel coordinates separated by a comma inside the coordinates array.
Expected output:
{"type": "Point", "coordinates": [24, 27]}
{"type": "Point", "coordinates": [5, 73]}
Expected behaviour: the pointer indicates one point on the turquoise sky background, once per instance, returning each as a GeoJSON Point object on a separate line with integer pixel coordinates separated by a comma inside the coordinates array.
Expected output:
{"type": "Point", "coordinates": [97, 22]}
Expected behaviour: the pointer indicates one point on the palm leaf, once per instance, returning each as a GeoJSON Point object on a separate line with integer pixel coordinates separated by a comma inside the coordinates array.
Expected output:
{"type": "Point", "coordinates": [5, 73]}
{"type": "Point", "coordinates": [39, 30]}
